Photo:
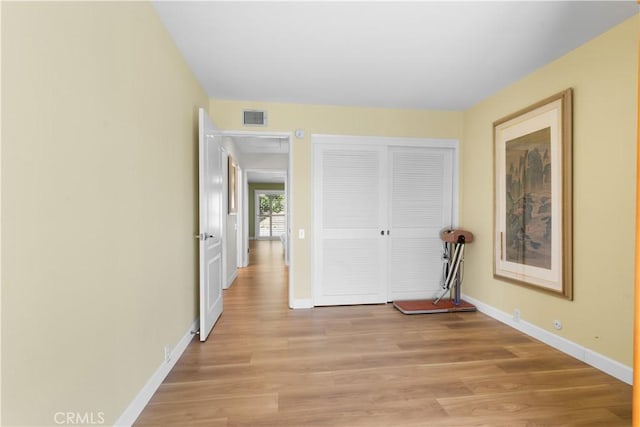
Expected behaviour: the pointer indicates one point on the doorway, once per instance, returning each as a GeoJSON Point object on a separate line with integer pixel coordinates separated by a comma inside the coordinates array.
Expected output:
{"type": "Point", "coordinates": [265, 161]}
{"type": "Point", "coordinates": [270, 214]}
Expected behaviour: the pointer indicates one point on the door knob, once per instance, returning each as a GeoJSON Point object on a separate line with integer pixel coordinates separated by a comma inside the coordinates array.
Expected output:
{"type": "Point", "coordinates": [204, 236]}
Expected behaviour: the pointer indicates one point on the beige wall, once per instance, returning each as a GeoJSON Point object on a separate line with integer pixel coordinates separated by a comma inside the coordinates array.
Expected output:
{"type": "Point", "coordinates": [329, 120]}
{"type": "Point", "coordinates": [99, 198]}
{"type": "Point", "coordinates": [99, 205]}
{"type": "Point", "coordinates": [603, 74]}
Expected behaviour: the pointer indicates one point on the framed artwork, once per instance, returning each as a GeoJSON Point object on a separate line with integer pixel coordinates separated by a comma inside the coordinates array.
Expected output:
{"type": "Point", "coordinates": [532, 196]}
{"type": "Point", "coordinates": [233, 186]}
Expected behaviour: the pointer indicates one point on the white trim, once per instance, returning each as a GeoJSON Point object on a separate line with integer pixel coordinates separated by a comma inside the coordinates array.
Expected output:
{"type": "Point", "coordinates": [225, 210]}
{"type": "Point", "coordinates": [240, 250]}
{"type": "Point", "coordinates": [455, 197]}
{"type": "Point", "coordinates": [287, 226]}
{"type": "Point", "coordinates": [245, 223]}
{"type": "Point", "coordinates": [230, 279]}
{"type": "Point", "coordinates": [290, 241]}
{"type": "Point", "coordinates": [140, 401]}
{"type": "Point", "coordinates": [590, 357]}
{"type": "Point", "coordinates": [259, 133]}
{"type": "Point", "coordinates": [297, 304]}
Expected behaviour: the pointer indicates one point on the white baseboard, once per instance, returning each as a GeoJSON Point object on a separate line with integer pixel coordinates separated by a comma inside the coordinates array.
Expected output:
{"type": "Point", "coordinates": [141, 400]}
{"type": "Point", "coordinates": [231, 278]}
{"type": "Point", "coordinates": [590, 357]}
{"type": "Point", "coordinates": [300, 303]}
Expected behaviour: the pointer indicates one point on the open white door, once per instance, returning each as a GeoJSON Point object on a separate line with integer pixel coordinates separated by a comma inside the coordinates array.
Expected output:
{"type": "Point", "coordinates": [211, 216]}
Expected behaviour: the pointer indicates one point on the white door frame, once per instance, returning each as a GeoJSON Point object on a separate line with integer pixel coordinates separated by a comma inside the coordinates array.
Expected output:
{"type": "Point", "coordinates": [240, 232]}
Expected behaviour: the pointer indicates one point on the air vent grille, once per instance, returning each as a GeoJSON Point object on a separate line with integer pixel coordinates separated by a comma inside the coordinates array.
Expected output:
{"type": "Point", "coordinates": [254, 118]}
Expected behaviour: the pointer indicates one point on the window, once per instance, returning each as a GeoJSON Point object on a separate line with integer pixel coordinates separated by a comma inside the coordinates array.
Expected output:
{"type": "Point", "coordinates": [270, 214]}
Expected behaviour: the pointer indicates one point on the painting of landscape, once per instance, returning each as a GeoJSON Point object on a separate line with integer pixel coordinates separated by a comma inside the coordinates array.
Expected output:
{"type": "Point", "coordinates": [528, 199]}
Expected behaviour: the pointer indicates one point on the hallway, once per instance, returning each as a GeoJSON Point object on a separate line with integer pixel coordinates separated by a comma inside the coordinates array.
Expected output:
{"type": "Point", "coordinates": [267, 365]}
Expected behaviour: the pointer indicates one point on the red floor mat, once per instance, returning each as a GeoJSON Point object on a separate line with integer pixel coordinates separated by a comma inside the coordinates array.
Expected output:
{"type": "Point", "coordinates": [427, 306]}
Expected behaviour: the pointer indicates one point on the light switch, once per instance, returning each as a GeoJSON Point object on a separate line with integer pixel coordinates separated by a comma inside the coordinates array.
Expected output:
{"type": "Point", "coordinates": [301, 233]}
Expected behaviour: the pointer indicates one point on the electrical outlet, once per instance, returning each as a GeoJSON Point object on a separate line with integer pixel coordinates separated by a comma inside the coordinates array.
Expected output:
{"type": "Point", "coordinates": [557, 324]}
{"type": "Point", "coordinates": [516, 315]}
{"type": "Point", "coordinates": [167, 353]}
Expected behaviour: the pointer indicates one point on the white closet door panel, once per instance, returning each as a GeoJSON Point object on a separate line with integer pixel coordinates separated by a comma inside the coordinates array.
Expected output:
{"type": "Point", "coordinates": [352, 271]}
{"type": "Point", "coordinates": [350, 258]}
{"type": "Point", "coordinates": [420, 194]}
{"type": "Point", "coordinates": [421, 185]}
{"type": "Point", "coordinates": [351, 190]}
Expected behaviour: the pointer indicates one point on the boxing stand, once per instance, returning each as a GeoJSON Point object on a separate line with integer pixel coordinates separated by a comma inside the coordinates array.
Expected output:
{"type": "Point", "coordinates": [454, 242]}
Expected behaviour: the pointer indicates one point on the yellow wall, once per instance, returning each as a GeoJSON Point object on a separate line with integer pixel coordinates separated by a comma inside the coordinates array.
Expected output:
{"type": "Point", "coordinates": [99, 205]}
{"type": "Point", "coordinates": [603, 74]}
{"type": "Point", "coordinates": [99, 198]}
{"type": "Point", "coordinates": [316, 119]}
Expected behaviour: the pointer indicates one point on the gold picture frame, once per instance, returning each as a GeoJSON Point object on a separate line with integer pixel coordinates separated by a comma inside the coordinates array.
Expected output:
{"type": "Point", "coordinates": [533, 196]}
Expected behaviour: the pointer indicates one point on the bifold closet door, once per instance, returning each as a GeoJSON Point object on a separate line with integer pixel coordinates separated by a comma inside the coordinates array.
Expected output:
{"type": "Point", "coordinates": [420, 206]}
{"type": "Point", "coordinates": [350, 255]}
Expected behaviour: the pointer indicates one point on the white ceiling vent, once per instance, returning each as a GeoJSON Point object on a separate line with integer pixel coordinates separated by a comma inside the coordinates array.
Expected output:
{"type": "Point", "coordinates": [254, 118]}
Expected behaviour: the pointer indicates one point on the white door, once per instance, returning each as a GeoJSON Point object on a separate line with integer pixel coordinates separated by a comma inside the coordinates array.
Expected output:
{"type": "Point", "coordinates": [420, 206]}
{"type": "Point", "coordinates": [350, 233]}
{"type": "Point", "coordinates": [379, 207]}
{"type": "Point", "coordinates": [211, 216]}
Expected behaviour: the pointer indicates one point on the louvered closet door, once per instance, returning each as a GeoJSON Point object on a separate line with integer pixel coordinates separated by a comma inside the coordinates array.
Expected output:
{"type": "Point", "coordinates": [350, 254]}
{"type": "Point", "coordinates": [420, 205]}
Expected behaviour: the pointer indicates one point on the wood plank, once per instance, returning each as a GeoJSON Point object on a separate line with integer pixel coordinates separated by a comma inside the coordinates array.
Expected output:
{"type": "Point", "coordinates": [181, 413]}
{"type": "Point", "coordinates": [534, 404]}
{"type": "Point", "coordinates": [531, 381]}
{"type": "Point", "coordinates": [370, 365]}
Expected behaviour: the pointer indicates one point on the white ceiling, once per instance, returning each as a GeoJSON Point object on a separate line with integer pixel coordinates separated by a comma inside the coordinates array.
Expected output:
{"type": "Point", "coordinates": [425, 55]}
{"type": "Point", "coordinates": [264, 158]}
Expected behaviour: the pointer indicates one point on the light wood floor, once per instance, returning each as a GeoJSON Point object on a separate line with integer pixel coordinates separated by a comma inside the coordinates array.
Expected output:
{"type": "Point", "coordinates": [266, 365]}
